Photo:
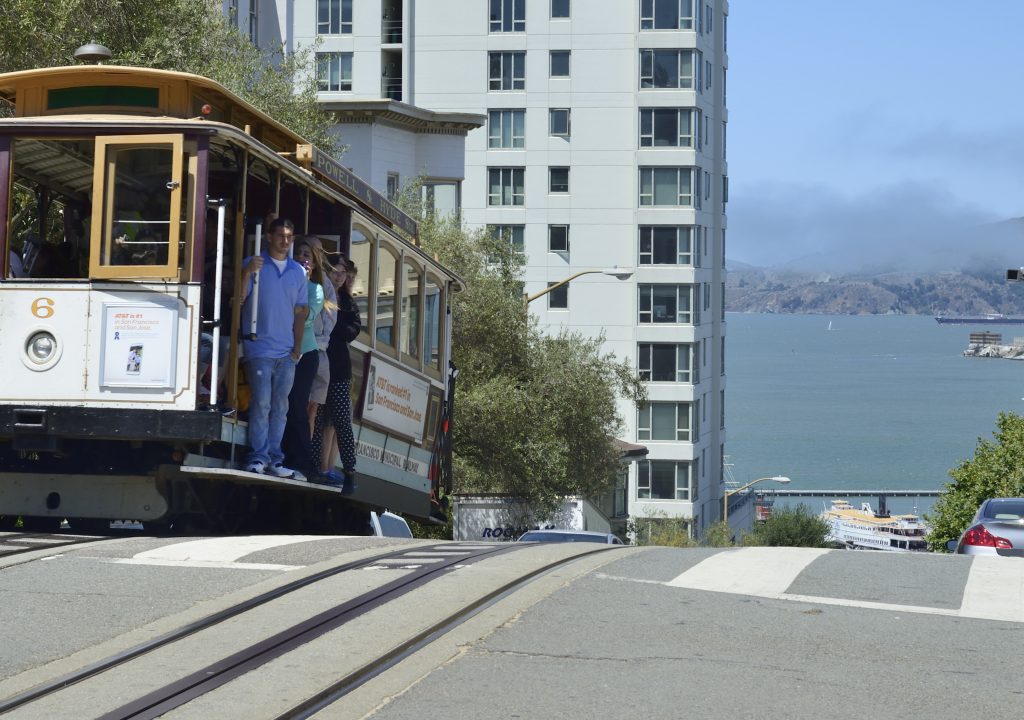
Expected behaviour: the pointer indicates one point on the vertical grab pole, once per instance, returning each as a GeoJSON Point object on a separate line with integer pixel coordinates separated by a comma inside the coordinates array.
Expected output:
{"type": "Point", "coordinates": [256, 285]}
{"type": "Point", "coordinates": [217, 284]}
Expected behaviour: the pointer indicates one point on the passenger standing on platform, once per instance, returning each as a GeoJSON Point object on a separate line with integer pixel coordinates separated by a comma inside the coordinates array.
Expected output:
{"type": "Point", "coordinates": [322, 327]}
{"type": "Point", "coordinates": [270, 357]}
{"type": "Point", "coordinates": [297, 431]}
{"type": "Point", "coordinates": [339, 403]}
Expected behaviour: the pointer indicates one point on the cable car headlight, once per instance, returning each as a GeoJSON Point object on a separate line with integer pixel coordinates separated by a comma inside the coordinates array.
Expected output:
{"type": "Point", "coordinates": [41, 348]}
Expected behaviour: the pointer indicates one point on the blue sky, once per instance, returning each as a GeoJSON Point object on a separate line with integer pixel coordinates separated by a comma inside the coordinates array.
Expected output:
{"type": "Point", "coordinates": [874, 132]}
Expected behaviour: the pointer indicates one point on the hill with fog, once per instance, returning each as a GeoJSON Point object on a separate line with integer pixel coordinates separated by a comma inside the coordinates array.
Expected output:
{"type": "Point", "coordinates": [963, 279]}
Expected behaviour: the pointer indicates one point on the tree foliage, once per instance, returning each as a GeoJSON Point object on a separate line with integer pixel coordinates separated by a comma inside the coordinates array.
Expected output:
{"type": "Point", "coordinates": [790, 527]}
{"type": "Point", "coordinates": [185, 35]}
{"type": "Point", "coordinates": [534, 413]}
{"type": "Point", "coordinates": [996, 470]}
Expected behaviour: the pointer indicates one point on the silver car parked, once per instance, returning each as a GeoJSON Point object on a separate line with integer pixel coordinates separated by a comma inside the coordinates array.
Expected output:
{"type": "Point", "coordinates": [997, 529]}
{"type": "Point", "coordinates": [569, 536]}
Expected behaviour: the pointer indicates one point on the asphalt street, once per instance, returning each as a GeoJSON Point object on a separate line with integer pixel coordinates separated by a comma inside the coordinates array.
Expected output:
{"type": "Point", "coordinates": [650, 632]}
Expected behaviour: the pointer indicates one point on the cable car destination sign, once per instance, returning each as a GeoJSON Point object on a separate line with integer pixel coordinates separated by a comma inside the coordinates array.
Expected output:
{"type": "Point", "coordinates": [326, 167]}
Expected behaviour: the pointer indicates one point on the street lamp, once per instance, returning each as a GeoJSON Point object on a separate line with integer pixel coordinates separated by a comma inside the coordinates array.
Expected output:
{"type": "Point", "coordinates": [725, 498]}
{"type": "Point", "coordinates": [615, 272]}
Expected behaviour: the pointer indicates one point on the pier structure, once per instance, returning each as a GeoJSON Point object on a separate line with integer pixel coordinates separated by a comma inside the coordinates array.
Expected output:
{"type": "Point", "coordinates": [850, 493]}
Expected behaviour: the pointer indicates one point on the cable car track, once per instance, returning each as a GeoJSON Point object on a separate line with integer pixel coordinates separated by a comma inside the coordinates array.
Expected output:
{"type": "Point", "coordinates": [206, 679]}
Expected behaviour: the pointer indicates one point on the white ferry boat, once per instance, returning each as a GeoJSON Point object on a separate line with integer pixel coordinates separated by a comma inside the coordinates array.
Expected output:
{"type": "Point", "coordinates": [865, 529]}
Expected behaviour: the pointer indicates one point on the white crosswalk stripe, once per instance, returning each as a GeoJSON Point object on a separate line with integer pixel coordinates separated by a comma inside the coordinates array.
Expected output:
{"type": "Point", "coordinates": [219, 552]}
{"type": "Point", "coordinates": [762, 571]}
{"type": "Point", "coordinates": [994, 589]}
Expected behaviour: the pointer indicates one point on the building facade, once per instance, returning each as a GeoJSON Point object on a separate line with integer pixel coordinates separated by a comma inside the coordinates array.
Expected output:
{"type": "Point", "coordinates": [604, 148]}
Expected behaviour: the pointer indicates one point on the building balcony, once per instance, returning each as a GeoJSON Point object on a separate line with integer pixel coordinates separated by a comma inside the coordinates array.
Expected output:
{"type": "Point", "coordinates": [391, 88]}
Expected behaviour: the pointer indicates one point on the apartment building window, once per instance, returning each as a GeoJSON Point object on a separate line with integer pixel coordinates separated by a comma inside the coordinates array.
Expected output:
{"type": "Point", "coordinates": [559, 63]}
{"type": "Point", "coordinates": [664, 480]}
{"type": "Point", "coordinates": [506, 129]}
{"type": "Point", "coordinates": [508, 16]}
{"type": "Point", "coordinates": [558, 180]}
{"type": "Point", "coordinates": [334, 72]}
{"type": "Point", "coordinates": [440, 197]}
{"type": "Point", "coordinates": [667, 304]}
{"type": "Point", "coordinates": [559, 9]}
{"type": "Point", "coordinates": [233, 13]}
{"type": "Point", "coordinates": [676, 69]}
{"type": "Point", "coordinates": [668, 421]}
{"type": "Point", "coordinates": [393, 186]}
{"type": "Point", "coordinates": [666, 362]}
{"type": "Point", "coordinates": [254, 22]}
{"type": "Point", "coordinates": [558, 238]}
{"type": "Point", "coordinates": [666, 14]}
{"type": "Point", "coordinates": [667, 245]}
{"type": "Point", "coordinates": [669, 186]}
{"type": "Point", "coordinates": [669, 127]}
{"type": "Point", "coordinates": [709, 16]}
{"type": "Point", "coordinates": [558, 122]}
{"type": "Point", "coordinates": [333, 17]}
{"type": "Point", "coordinates": [505, 186]}
{"type": "Point", "coordinates": [512, 234]}
{"type": "Point", "coordinates": [558, 299]}
{"type": "Point", "coordinates": [507, 70]}
{"type": "Point", "coordinates": [707, 74]}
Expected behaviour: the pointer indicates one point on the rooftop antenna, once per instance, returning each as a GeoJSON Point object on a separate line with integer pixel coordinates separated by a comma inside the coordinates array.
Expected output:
{"type": "Point", "coordinates": [93, 53]}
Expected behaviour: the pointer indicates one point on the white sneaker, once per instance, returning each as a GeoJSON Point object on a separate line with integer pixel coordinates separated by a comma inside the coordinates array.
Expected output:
{"type": "Point", "coordinates": [279, 470]}
{"type": "Point", "coordinates": [256, 466]}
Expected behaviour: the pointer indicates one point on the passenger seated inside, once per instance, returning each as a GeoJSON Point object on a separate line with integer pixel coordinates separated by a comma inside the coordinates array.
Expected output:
{"type": "Point", "coordinates": [15, 269]}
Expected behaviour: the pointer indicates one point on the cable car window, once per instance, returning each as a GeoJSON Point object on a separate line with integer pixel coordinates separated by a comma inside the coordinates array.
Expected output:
{"type": "Point", "coordinates": [136, 214]}
{"type": "Point", "coordinates": [387, 283]}
{"type": "Point", "coordinates": [411, 312]}
{"type": "Point", "coordinates": [359, 253]}
{"type": "Point", "coordinates": [49, 207]}
{"type": "Point", "coordinates": [434, 300]}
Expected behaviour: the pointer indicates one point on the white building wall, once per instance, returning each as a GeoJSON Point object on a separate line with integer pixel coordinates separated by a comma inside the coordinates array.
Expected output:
{"type": "Point", "coordinates": [444, 58]}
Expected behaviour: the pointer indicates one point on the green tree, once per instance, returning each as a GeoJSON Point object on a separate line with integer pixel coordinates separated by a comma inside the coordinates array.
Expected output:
{"type": "Point", "coordinates": [534, 413]}
{"type": "Point", "coordinates": [185, 35]}
{"type": "Point", "coordinates": [790, 527]}
{"type": "Point", "coordinates": [996, 470]}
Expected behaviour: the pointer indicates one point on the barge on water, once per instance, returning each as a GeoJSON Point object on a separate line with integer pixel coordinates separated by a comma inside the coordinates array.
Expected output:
{"type": "Point", "coordinates": [990, 319]}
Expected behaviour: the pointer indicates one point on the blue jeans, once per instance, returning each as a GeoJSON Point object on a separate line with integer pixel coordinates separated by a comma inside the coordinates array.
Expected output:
{"type": "Point", "coordinates": [270, 380]}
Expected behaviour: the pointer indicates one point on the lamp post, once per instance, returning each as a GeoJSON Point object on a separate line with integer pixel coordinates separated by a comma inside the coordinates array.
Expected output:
{"type": "Point", "coordinates": [725, 498]}
{"type": "Point", "coordinates": [615, 272]}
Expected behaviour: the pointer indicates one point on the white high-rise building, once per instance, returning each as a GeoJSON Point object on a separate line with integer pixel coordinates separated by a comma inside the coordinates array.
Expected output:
{"type": "Point", "coordinates": [604, 148]}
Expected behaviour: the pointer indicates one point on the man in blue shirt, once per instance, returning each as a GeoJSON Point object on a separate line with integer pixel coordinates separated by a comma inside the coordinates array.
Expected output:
{"type": "Point", "coordinates": [271, 356]}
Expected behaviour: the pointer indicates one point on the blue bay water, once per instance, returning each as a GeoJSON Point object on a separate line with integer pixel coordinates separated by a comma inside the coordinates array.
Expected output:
{"type": "Point", "coordinates": [874, 402]}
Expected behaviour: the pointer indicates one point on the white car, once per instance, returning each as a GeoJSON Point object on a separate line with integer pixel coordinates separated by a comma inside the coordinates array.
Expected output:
{"type": "Point", "coordinates": [569, 536]}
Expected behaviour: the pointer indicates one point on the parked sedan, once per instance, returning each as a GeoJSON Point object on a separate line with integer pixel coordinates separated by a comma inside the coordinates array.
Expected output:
{"type": "Point", "coordinates": [997, 529]}
{"type": "Point", "coordinates": [569, 536]}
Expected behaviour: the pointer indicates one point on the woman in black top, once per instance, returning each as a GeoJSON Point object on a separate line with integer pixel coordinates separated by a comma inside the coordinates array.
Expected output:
{"type": "Point", "coordinates": [339, 404]}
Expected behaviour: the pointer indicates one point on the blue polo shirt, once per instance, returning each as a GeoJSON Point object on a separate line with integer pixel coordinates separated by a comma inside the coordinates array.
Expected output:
{"type": "Point", "coordinates": [280, 292]}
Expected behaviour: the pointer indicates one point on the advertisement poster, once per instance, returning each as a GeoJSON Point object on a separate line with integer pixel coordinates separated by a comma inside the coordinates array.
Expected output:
{"type": "Point", "coordinates": [139, 345]}
{"type": "Point", "coordinates": [395, 399]}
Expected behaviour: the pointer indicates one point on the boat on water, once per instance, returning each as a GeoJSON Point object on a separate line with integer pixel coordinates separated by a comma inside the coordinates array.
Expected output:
{"type": "Point", "coordinates": [866, 529]}
{"type": "Point", "coordinates": [990, 319]}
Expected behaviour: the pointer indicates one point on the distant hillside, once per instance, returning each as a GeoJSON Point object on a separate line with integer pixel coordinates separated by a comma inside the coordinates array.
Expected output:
{"type": "Point", "coordinates": [750, 289]}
